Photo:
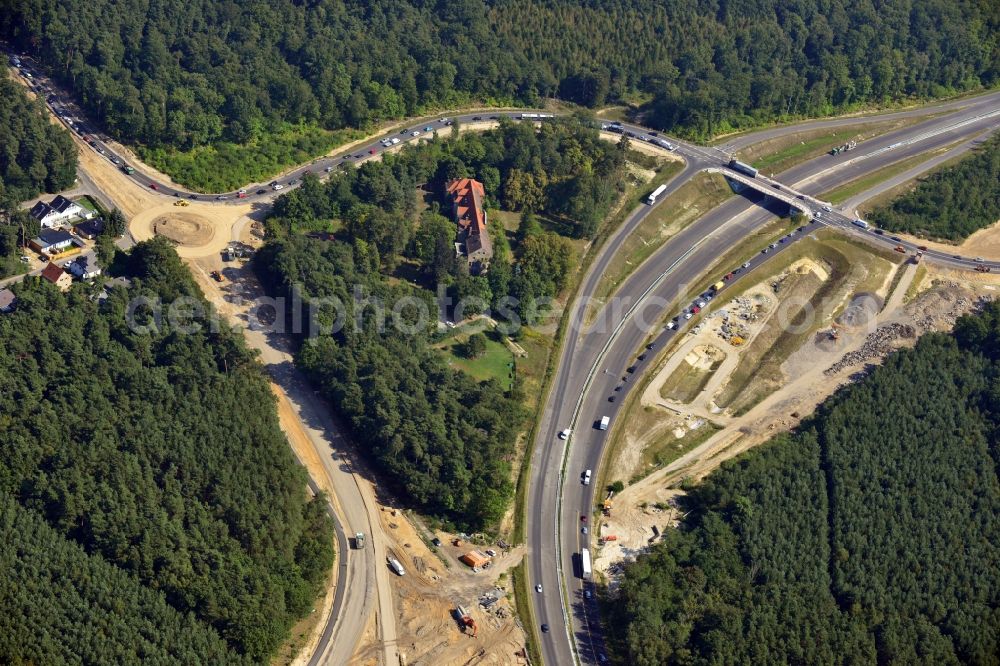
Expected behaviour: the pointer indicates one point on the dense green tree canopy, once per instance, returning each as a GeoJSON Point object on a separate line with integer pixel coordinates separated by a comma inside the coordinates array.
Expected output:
{"type": "Point", "coordinates": [870, 535]}
{"type": "Point", "coordinates": [154, 459]}
{"type": "Point", "coordinates": [186, 73]}
{"type": "Point", "coordinates": [35, 155]}
{"type": "Point", "coordinates": [951, 203]}
{"type": "Point", "coordinates": [442, 438]}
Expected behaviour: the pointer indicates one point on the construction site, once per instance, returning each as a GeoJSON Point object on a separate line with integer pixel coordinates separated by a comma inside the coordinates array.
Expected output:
{"type": "Point", "coordinates": [755, 365]}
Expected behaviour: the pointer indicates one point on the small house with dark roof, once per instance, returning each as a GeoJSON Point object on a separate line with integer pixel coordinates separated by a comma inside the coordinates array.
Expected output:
{"type": "Point", "coordinates": [84, 267]}
{"type": "Point", "coordinates": [57, 276]}
{"type": "Point", "coordinates": [52, 241]}
{"type": "Point", "coordinates": [89, 229]}
{"type": "Point", "coordinates": [472, 238]}
{"type": "Point", "coordinates": [7, 300]}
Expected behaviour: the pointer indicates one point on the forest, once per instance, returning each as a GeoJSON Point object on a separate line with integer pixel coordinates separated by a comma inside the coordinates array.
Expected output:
{"type": "Point", "coordinates": [445, 440]}
{"type": "Point", "coordinates": [150, 507]}
{"type": "Point", "coordinates": [35, 155]}
{"type": "Point", "coordinates": [561, 173]}
{"type": "Point", "coordinates": [951, 203]}
{"type": "Point", "coordinates": [183, 74]}
{"type": "Point", "coordinates": [871, 534]}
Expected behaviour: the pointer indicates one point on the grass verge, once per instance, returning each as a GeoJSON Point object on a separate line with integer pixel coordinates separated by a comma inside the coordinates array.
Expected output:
{"type": "Point", "coordinates": [858, 185]}
{"type": "Point", "coordinates": [692, 200]}
{"type": "Point", "coordinates": [687, 381]}
{"type": "Point", "coordinates": [519, 580]}
{"type": "Point", "coordinates": [665, 449]}
{"type": "Point", "coordinates": [629, 201]}
{"type": "Point", "coordinates": [781, 153]}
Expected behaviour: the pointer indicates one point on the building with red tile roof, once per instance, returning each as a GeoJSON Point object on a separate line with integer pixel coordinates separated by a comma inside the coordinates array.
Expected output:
{"type": "Point", "coordinates": [472, 238]}
{"type": "Point", "coordinates": [57, 276]}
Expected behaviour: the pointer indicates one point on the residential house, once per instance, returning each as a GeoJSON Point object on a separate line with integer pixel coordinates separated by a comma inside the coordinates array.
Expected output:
{"type": "Point", "coordinates": [57, 276]}
{"type": "Point", "coordinates": [7, 300]}
{"type": "Point", "coordinates": [58, 211]}
{"type": "Point", "coordinates": [84, 267]}
{"type": "Point", "coordinates": [472, 239]}
{"type": "Point", "coordinates": [52, 241]}
{"type": "Point", "coordinates": [89, 229]}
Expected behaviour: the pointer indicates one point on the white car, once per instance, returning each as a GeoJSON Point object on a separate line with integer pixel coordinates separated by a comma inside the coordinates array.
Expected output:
{"type": "Point", "coordinates": [827, 208]}
{"type": "Point", "coordinates": [277, 186]}
{"type": "Point", "coordinates": [415, 133]}
{"type": "Point", "coordinates": [565, 434]}
{"type": "Point", "coordinates": [700, 304]}
{"type": "Point", "coordinates": [746, 265]}
{"type": "Point", "coordinates": [687, 315]}
{"type": "Point", "coordinates": [395, 140]}
{"type": "Point", "coordinates": [671, 325]}
{"type": "Point", "coordinates": [538, 588]}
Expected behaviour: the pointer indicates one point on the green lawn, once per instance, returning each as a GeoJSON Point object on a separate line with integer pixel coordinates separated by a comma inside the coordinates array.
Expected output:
{"type": "Point", "coordinates": [494, 364]}
{"type": "Point", "coordinates": [88, 203]}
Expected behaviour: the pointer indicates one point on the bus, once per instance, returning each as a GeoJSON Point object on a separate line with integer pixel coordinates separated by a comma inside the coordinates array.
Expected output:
{"type": "Point", "coordinates": [585, 569]}
{"type": "Point", "coordinates": [651, 199]}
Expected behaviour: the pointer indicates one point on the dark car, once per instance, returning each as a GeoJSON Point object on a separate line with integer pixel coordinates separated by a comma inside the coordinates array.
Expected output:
{"type": "Point", "coordinates": [611, 398]}
{"type": "Point", "coordinates": [650, 345]}
{"type": "Point", "coordinates": [153, 186]}
{"type": "Point", "coordinates": [630, 369]}
{"type": "Point", "coordinates": [545, 628]}
{"type": "Point", "coordinates": [193, 196]}
{"type": "Point", "coordinates": [436, 542]}
{"type": "Point", "coordinates": [642, 357]}
{"type": "Point", "coordinates": [477, 117]}
{"type": "Point", "coordinates": [261, 191]}
{"type": "Point", "coordinates": [776, 186]}
{"type": "Point", "coordinates": [493, 117]}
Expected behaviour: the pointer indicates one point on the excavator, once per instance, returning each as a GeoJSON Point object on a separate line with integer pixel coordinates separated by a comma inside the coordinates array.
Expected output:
{"type": "Point", "coordinates": [466, 620]}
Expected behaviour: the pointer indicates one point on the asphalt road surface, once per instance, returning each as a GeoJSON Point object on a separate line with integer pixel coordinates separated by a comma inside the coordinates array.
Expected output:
{"type": "Point", "coordinates": [558, 500]}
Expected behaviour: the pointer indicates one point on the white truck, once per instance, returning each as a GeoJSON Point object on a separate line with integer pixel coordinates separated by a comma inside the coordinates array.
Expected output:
{"type": "Point", "coordinates": [655, 194]}
{"type": "Point", "coordinates": [396, 566]}
{"type": "Point", "coordinates": [585, 569]}
{"type": "Point", "coordinates": [605, 422]}
{"type": "Point", "coordinates": [359, 540]}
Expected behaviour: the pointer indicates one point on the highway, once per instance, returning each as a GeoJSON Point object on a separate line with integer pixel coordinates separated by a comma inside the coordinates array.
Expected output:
{"type": "Point", "coordinates": [593, 360]}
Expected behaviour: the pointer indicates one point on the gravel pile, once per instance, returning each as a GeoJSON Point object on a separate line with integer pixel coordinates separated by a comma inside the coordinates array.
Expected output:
{"type": "Point", "coordinates": [877, 344]}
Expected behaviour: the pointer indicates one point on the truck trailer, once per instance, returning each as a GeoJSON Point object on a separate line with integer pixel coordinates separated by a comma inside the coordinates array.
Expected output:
{"type": "Point", "coordinates": [655, 194]}
{"type": "Point", "coordinates": [743, 168]}
{"type": "Point", "coordinates": [585, 570]}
